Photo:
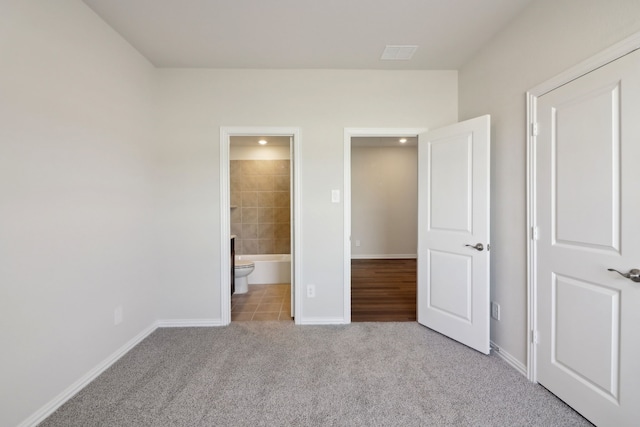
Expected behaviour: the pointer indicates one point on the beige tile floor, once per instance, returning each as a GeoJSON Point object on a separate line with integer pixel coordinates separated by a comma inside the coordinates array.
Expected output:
{"type": "Point", "coordinates": [262, 302]}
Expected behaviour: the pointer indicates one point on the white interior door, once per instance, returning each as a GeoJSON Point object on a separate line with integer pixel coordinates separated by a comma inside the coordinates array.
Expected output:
{"type": "Point", "coordinates": [453, 217]}
{"type": "Point", "coordinates": [588, 219]}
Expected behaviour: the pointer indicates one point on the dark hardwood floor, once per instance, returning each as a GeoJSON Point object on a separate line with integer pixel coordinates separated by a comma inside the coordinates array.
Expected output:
{"type": "Point", "coordinates": [383, 290]}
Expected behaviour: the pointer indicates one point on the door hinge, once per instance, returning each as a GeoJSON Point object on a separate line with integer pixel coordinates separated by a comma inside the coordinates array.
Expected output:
{"type": "Point", "coordinates": [535, 234]}
{"type": "Point", "coordinates": [534, 129]}
{"type": "Point", "coordinates": [534, 337]}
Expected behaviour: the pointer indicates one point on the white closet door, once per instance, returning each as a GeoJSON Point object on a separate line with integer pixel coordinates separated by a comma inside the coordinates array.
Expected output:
{"type": "Point", "coordinates": [588, 218]}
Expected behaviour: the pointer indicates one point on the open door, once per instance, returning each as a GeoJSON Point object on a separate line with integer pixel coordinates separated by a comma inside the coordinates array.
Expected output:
{"type": "Point", "coordinates": [453, 231]}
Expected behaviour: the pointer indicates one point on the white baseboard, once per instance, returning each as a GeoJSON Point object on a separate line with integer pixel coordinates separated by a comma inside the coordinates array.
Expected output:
{"type": "Point", "coordinates": [515, 363]}
{"type": "Point", "coordinates": [189, 323]}
{"type": "Point", "coordinates": [321, 321]}
{"type": "Point", "coordinates": [74, 388]}
{"type": "Point", "coordinates": [385, 256]}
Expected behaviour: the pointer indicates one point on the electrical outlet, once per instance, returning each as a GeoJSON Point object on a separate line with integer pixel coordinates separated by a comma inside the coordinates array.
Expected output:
{"type": "Point", "coordinates": [311, 291]}
{"type": "Point", "coordinates": [357, 243]}
{"type": "Point", "coordinates": [495, 310]}
{"type": "Point", "coordinates": [117, 315]}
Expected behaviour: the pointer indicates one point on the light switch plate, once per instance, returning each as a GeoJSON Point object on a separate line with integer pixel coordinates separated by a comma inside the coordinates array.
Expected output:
{"type": "Point", "coordinates": [335, 196]}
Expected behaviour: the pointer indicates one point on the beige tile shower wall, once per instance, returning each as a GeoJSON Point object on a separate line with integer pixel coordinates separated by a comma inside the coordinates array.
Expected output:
{"type": "Point", "coordinates": [260, 203]}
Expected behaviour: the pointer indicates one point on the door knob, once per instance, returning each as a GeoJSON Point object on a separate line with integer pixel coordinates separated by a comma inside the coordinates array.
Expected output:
{"type": "Point", "coordinates": [633, 274]}
{"type": "Point", "coordinates": [477, 246]}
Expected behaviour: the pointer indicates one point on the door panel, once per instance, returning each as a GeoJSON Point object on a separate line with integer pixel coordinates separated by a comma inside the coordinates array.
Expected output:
{"type": "Point", "coordinates": [587, 198]}
{"type": "Point", "coordinates": [450, 280]}
{"type": "Point", "coordinates": [587, 316]}
{"type": "Point", "coordinates": [453, 211]}
{"type": "Point", "coordinates": [450, 182]}
{"type": "Point", "coordinates": [588, 219]}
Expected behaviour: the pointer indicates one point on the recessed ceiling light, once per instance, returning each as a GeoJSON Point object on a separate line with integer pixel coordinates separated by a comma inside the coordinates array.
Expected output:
{"type": "Point", "coordinates": [403, 140]}
{"type": "Point", "coordinates": [262, 142]}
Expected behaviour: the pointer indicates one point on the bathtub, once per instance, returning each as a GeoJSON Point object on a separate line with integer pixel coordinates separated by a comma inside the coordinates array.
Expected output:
{"type": "Point", "coordinates": [270, 269]}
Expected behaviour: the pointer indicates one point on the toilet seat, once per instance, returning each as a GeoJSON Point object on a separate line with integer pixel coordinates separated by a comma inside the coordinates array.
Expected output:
{"type": "Point", "coordinates": [244, 264]}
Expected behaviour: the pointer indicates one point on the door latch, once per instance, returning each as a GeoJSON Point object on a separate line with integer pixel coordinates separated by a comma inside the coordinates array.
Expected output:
{"type": "Point", "coordinates": [477, 246]}
{"type": "Point", "coordinates": [633, 274]}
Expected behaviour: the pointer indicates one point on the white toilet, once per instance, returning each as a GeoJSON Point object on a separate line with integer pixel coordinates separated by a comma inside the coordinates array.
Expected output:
{"type": "Point", "coordinates": [241, 270]}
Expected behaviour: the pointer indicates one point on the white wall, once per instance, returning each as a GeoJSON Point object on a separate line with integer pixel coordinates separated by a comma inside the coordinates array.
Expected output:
{"type": "Point", "coordinates": [76, 198]}
{"type": "Point", "coordinates": [547, 38]}
{"type": "Point", "coordinates": [193, 106]}
{"type": "Point", "coordinates": [384, 201]}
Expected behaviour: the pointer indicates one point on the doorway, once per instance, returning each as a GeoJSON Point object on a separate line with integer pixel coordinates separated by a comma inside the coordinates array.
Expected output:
{"type": "Point", "coordinates": [453, 227]}
{"type": "Point", "coordinates": [384, 227]}
{"type": "Point", "coordinates": [363, 135]}
{"type": "Point", "coordinates": [260, 209]}
{"type": "Point", "coordinates": [260, 196]}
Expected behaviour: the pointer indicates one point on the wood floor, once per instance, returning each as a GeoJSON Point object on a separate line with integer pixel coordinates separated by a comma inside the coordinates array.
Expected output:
{"type": "Point", "coordinates": [383, 290]}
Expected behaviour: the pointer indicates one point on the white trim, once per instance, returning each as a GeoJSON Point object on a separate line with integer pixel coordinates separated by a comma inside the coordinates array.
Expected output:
{"type": "Point", "coordinates": [531, 243]}
{"type": "Point", "coordinates": [296, 224]}
{"type": "Point", "coordinates": [48, 409]}
{"type": "Point", "coordinates": [226, 133]}
{"type": "Point", "coordinates": [346, 266]}
{"type": "Point", "coordinates": [225, 227]}
{"type": "Point", "coordinates": [515, 363]}
{"type": "Point", "coordinates": [614, 52]}
{"type": "Point", "coordinates": [189, 323]}
{"type": "Point", "coordinates": [322, 321]}
{"type": "Point", "coordinates": [608, 55]}
{"type": "Point", "coordinates": [385, 256]}
{"type": "Point", "coordinates": [348, 134]}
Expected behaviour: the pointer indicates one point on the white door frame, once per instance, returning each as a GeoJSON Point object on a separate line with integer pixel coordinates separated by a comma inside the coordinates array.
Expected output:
{"type": "Point", "coordinates": [348, 134]}
{"type": "Point", "coordinates": [616, 51]}
{"type": "Point", "coordinates": [225, 212]}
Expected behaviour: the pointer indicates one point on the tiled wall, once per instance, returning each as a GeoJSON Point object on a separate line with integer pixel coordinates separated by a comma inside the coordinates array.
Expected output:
{"type": "Point", "coordinates": [260, 206]}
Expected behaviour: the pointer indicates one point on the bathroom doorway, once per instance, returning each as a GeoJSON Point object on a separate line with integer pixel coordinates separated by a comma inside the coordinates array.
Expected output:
{"type": "Point", "coordinates": [259, 218]}
{"type": "Point", "coordinates": [260, 197]}
{"type": "Point", "coordinates": [384, 228]}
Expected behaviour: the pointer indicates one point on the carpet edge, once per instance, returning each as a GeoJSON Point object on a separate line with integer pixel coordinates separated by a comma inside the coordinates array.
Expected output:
{"type": "Point", "coordinates": [50, 407]}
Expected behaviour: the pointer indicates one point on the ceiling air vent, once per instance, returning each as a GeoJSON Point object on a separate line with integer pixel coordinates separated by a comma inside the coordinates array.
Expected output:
{"type": "Point", "coordinates": [398, 52]}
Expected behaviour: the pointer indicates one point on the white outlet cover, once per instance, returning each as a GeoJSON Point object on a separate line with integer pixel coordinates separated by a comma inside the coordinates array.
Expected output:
{"type": "Point", "coordinates": [495, 310]}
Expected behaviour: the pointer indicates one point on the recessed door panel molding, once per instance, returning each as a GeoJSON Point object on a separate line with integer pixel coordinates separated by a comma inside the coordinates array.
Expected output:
{"type": "Point", "coordinates": [453, 231]}
{"type": "Point", "coordinates": [586, 223]}
{"type": "Point", "coordinates": [586, 328]}
{"type": "Point", "coordinates": [587, 198]}
{"type": "Point", "coordinates": [451, 284]}
{"type": "Point", "coordinates": [450, 183]}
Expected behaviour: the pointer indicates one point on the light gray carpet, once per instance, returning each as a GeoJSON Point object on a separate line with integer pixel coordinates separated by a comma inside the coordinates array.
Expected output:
{"type": "Point", "coordinates": [279, 374]}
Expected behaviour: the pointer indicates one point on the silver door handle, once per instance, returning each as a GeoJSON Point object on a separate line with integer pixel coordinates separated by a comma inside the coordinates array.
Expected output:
{"type": "Point", "coordinates": [477, 246]}
{"type": "Point", "coordinates": [633, 274]}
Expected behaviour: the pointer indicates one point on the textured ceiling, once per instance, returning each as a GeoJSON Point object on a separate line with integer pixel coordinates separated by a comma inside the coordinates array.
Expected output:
{"type": "Point", "coordinates": [338, 34]}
